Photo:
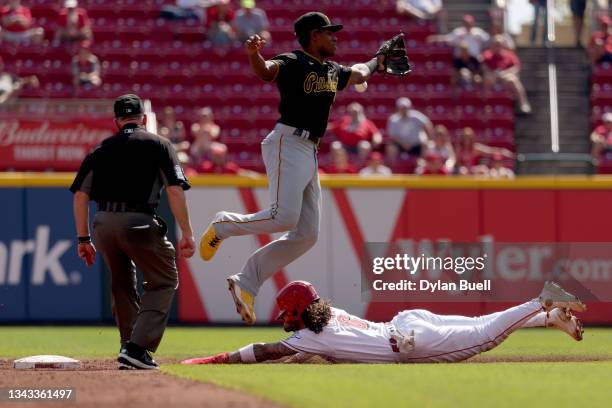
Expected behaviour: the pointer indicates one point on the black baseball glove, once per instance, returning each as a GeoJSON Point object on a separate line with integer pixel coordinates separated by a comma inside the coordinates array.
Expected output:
{"type": "Point", "coordinates": [396, 60]}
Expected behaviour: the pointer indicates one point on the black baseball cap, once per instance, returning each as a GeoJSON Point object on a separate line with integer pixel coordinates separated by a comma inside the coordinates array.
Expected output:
{"type": "Point", "coordinates": [128, 105]}
{"type": "Point", "coordinates": [314, 20]}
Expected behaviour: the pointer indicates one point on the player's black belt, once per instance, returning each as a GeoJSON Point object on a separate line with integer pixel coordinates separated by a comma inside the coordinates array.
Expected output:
{"type": "Point", "coordinates": [307, 135]}
{"type": "Point", "coordinates": [303, 134]}
{"type": "Point", "coordinates": [112, 206]}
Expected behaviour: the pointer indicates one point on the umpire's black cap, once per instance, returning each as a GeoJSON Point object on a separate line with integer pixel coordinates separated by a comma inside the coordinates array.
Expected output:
{"type": "Point", "coordinates": [311, 21]}
{"type": "Point", "coordinates": [128, 105]}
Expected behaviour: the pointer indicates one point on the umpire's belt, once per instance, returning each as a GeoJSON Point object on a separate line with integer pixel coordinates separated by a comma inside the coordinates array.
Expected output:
{"type": "Point", "coordinates": [301, 133]}
{"type": "Point", "coordinates": [112, 206]}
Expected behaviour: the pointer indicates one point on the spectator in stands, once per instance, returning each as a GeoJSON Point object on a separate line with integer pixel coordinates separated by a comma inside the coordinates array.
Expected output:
{"type": "Point", "coordinates": [251, 20]}
{"type": "Point", "coordinates": [355, 127]}
{"type": "Point", "coordinates": [433, 164]}
{"type": "Point", "coordinates": [340, 160]}
{"type": "Point", "coordinates": [10, 84]}
{"type": "Point", "coordinates": [185, 162]}
{"type": "Point", "coordinates": [578, 7]}
{"type": "Point", "coordinates": [85, 68]}
{"type": "Point", "coordinates": [375, 166]}
{"type": "Point", "coordinates": [502, 66]}
{"type": "Point", "coordinates": [600, 52]}
{"type": "Point", "coordinates": [475, 37]}
{"type": "Point", "coordinates": [602, 137]}
{"type": "Point", "coordinates": [203, 132]}
{"type": "Point", "coordinates": [16, 24]}
{"type": "Point", "coordinates": [219, 22]}
{"type": "Point", "coordinates": [540, 8]}
{"type": "Point", "coordinates": [407, 130]}
{"type": "Point", "coordinates": [600, 45]}
{"type": "Point", "coordinates": [442, 147]}
{"type": "Point", "coordinates": [468, 70]}
{"type": "Point", "coordinates": [497, 28]}
{"type": "Point", "coordinates": [185, 10]}
{"type": "Point", "coordinates": [469, 153]}
{"type": "Point", "coordinates": [173, 130]}
{"type": "Point", "coordinates": [497, 168]}
{"type": "Point", "coordinates": [73, 24]}
{"type": "Point", "coordinates": [422, 10]}
{"type": "Point", "coordinates": [218, 163]}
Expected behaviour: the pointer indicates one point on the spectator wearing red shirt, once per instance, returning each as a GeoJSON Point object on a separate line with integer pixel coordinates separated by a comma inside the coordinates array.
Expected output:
{"type": "Point", "coordinates": [502, 65]}
{"type": "Point", "coordinates": [600, 45]}
{"type": "Point", "coordinates": [73, 24]}
{"type": "Point", "coordinates": [602, 137]}
{"type": "Point", "coordinates": [469, 152]}
{"type": "Point", "coordinates": [433, 165]}
{"type": "Point", "coordinates": [219, 23]}
{"type": "Point", "coordinates": [204, 131]}
{"type": "Point", "coordinates": [218, 163]}
{"type": "Point", "coordinates": [355, 127]}
{"type": "Point", "coordinates": [340, 160]}
{"type": "Point", "coordinates": [16, 24]}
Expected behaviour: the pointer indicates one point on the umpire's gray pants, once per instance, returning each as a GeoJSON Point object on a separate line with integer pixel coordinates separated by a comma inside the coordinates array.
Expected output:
{"type": "Point", "coordinates": [295, 194]}
{"type": "Point", "coordinates": [128, 240]}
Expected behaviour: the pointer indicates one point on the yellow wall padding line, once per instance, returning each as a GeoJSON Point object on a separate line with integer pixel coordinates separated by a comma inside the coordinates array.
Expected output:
{"type": "Point", "coordinates": [14, 179]}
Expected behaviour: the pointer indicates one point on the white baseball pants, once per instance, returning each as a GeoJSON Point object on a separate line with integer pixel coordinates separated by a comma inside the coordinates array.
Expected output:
{"type": "Point", "coordinates": [440, 338]}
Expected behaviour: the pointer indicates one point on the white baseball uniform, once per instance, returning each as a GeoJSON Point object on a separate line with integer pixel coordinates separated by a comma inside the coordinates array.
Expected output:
{"type": "Point", "coordinates": [433, 338]}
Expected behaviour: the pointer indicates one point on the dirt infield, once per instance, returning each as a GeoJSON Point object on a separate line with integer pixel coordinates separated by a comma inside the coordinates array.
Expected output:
{"type": "Point", "coordinates": [100, 384]}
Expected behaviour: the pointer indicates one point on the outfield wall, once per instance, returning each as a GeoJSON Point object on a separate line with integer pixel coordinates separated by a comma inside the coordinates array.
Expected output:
{"type": "Point", "coordinates": [42, 278]}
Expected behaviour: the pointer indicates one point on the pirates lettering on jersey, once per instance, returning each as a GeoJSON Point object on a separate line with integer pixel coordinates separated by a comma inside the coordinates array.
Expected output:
{"type": "Point", "coordinates": [315, 83]}
{"type": "Point", "coordinates": [308, 88]}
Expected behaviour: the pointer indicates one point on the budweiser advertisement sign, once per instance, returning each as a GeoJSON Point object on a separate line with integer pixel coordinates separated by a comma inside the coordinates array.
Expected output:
{"type": "Point", "coordinates": [49, 145]}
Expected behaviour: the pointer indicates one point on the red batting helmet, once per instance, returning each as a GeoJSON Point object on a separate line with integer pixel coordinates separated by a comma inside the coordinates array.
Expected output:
{"type": "Point", "coordinates": [295, 297]}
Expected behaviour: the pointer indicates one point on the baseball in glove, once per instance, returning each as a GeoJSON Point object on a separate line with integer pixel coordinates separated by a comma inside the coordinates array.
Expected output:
{"type": "Point", "coordinates": [396, 60]}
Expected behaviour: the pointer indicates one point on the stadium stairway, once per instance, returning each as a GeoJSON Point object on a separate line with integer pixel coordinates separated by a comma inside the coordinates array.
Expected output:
{"type": "Point", "coordinates": [533, 131]}
{"type": "Point", "coordinates": [456, 9]}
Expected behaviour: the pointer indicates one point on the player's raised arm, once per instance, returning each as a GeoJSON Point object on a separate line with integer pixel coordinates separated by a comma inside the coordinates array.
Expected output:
{"type": "Point", "coordinates": [253, 353]}
{"type": "Point", "coordinates": [391, 58]}
{"type": "Point", "coordinates": [265, 70]}
{"type": "Point", "coordinates": [361, 72]}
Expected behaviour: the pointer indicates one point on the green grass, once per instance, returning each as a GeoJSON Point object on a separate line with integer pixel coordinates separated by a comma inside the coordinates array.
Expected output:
{"type": "Point", "coordinates": [513, 384]}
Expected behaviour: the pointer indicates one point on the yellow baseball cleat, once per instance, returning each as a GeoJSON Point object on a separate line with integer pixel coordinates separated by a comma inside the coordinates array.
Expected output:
{"type": "Point", "coordinates": [209, 243]}
{"type": "Point", "coordinates": [244, 303]}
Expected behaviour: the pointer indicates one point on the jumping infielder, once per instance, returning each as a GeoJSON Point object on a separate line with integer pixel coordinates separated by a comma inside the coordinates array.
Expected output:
{"type": "Point", "coordinates": [308, 84]}
{"type": "Point", "coordinates": [413, 336]}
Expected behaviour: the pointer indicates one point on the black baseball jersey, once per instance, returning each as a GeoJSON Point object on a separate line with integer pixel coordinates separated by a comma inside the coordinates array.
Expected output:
{"type": "Point", "coordinates": [130, 167]}
{"type": "Point", "coordinates": [308, 88]}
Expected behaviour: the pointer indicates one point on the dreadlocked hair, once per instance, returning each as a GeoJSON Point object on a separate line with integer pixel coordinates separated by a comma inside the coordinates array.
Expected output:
{"type": "Point", "coordinates": [317, 315]}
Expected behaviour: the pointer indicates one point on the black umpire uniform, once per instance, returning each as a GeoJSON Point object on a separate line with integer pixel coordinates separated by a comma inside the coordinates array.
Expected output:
{"type": "Point", "coordinates": [124, 175]}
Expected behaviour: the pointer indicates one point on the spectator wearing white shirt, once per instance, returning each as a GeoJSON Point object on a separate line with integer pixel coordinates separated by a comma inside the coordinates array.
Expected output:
{"type": "Point", "coordinates": [474, 37]}
{"type": "Point", "coordinates": [250, 20]}
{"type": "Point", "coordinates": [375, 166]}
{"type": "Point", "coordinates": [407, 130]}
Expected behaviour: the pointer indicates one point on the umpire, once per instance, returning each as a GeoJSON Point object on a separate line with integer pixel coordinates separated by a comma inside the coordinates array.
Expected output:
{"type": "Point", "coordinates": [124, 175]}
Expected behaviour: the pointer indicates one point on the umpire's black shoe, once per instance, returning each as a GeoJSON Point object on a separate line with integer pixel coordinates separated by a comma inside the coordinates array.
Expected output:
{"type": "Point", "coordinates": [134, 357]}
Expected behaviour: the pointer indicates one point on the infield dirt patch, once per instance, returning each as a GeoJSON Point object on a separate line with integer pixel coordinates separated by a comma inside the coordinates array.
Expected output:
{"type": "Point", "coordinates": [100, 384]}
